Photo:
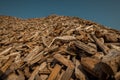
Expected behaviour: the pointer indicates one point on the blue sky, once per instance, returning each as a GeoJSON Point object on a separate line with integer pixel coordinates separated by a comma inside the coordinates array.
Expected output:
{"type": "Point", "coordinates": [106, 12]}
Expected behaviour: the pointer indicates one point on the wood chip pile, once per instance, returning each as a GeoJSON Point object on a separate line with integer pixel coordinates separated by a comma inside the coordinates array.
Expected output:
{"type": "Point", "coordinates": [58, 48]}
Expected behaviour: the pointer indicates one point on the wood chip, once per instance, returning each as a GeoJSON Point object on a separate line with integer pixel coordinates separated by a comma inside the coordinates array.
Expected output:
{"type": "Point", "coordinates": [101, 45]}
{"type": "Point", "coordinates": [7, 65]}
{"type": "Point", "coordinates": [78, 73]}
{"type": "Point", "coordinates": [85, 47]}
{"type": "Point", "coordinates": [54, 72]}
{"type": "Point", "coordinates": [67, 75]}
{"type": "Point", "coordinates": [35, 72]}
{"type": "Point", "coordinates": [64, 61]}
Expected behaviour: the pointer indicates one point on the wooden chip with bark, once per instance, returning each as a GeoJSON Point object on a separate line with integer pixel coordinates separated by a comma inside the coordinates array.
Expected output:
{"type": "Point", "coordinates": [6, 51]}
{"type": "Point", "coordinates": [85, 47]}
{"type": "Point", "coordinates": [68, 73]}
{"type": "Point", "coordinates": [100, 44]}
{"type": "Point", "coordinates": [79, 73]}
{"type": "Point", "coordinates": [34, 52]}
{"type": "Point", "coordinates": [64, 61]}
{"type": "Point", "coordinates": [37, 69]}
{"type": "Point", "coordinates": [7, 65]}
{"type": "Point", "coordinates": [54, 72]}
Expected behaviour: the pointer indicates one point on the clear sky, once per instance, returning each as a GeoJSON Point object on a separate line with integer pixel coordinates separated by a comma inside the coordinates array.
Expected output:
{"type": "Point", "coordinates": [106, 12]}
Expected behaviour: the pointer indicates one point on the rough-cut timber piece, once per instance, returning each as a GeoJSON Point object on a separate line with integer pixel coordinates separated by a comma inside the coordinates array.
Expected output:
{"type": "Point", "coordinates": [115, 47]}
{"type": "Point", "coordinates": [85, 47]}
{"type": "Point", "coordinates": [36, 58]}
{"type": "Point", "coordinates": [64, 61]}
{"type": "Point", "coordinates": [111, 37]}
{"type": "Point", "coordinates": [55, 72]}
{"type": "Point", "coordinates": [6, 51]}
{"type": "Point", "coordinates": [17, 65]}
{"type": "Point", "coordinates": [37, 69]}
{"type": "Point", "coordinates": [35, 72]}
{"type": "Point", "coordinates": [34, 52]}
{"type": "Point", "coordinates": [92, 45]}
{"type": "Point", "coordinates": [100, 44]}
{"type": "Point", "coordinates": [8, 63]}
{"type": "Point", "coordinates": [78, 73]}
{"type": "Point", "coordinates": [62, 73]}
{"type": "Point", "coordinates": [46, 72]}
{"type": "Point", "coordinates": [110, 43]}
{"type": "Point", "coordinates": [68, 73]}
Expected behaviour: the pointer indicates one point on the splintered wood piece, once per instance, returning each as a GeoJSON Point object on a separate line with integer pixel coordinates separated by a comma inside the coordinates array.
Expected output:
{"type": "Point", "coordinates": [62, 73]}
{"type": "Point", "coordinates": [92, 45]}
{"type": "Point", "coordinates": [37, 58]}
{"type": "Point", "coordinates": [19, 64]}
{"type": "Point", "coordinates": [117, 44]}
{"type": "Point", "coordinates": [6, 51]}
{"type": "Point", "coordinates": [111, 37]}
{"type": "Point", "coordinates": [42, 66]}
{"type": "Point", "coordinates": [37, 69]}
{"type": "Point", "coordinates": [7, 64]}
{"type": "Point", "coordinates": [78, 73]}
{"type": "Point", "coordinates": [35, 72]}
{"type": "Point", "coordinates": [85, 47]}
{"type": "Point", "coordinates": [45, 71]}
{"type": "Point", "coordinates": [44, 59]}
{"type": "Point", "coordinates": [35, 35]}
{"type": "Point", "coordinates": [51, 49]}
{"type": "Point", "coordinates": [103, 47]}
{"type": "Point", "coordinates": [64, 61]}
{"type": "Point", "coordinates": [34, 52]}
{"type": "Point", "coordinates": [58, 76]}
{"type": "Point", "coordinates": [115, 47]}
{"type": "Point", "coordinates": [10, 55]}
{"type": "Point", "coordinates": [55, 72]}
{"type": "Point", "coordinates": [68, 73]}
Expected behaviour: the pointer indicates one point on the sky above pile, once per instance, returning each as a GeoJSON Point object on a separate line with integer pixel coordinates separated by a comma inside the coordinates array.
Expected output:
{"type": "Point", "coordinates": [105, 12]}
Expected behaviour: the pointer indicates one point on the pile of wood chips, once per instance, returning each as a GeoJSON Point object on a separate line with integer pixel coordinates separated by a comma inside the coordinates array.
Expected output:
{"type": "Point", "coordinates": [58, 48]}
